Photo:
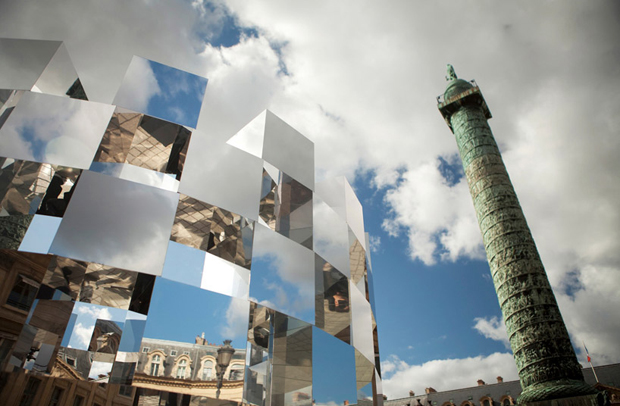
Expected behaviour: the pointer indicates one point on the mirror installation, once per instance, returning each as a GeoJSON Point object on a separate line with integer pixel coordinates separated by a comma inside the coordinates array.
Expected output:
{"type": "Point", "coordinates": [145, 261]}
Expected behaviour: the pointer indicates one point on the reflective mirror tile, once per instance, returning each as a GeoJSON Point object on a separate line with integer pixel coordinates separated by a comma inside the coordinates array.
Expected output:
{"type": "Point", "coordinates": [55, 130]}
{"type": "Point", "coordinates": [133, 332]}
{"type": "Point", "coordinates": [220, 317]}
{"type": "Point", "coordinates": [99, 371]}
{"type": "Point", "coordinates": [30, 187]}
{"type": "Point", "coordinates": [52, 316]}
{"type": "Point", "coordinates": [292, 361]}
{"type": "Point", "coordinates": [260, 331]}
{"type": "Point", "coordinates": [366, 378]}
{"type": "Point", "coordinates": [149, 178]}
{"type": "Point", "coordinates": [118, 223]}
{"type": "Point", "coordinates": [107, 286]}
{"type": "Point", "coordinates": [357, 259]}
{"type": "Point", "coordinates": [66, 275]}
{"type": "Point", "coordinates": [287, 207]}
{"type": "Point", "coordinates": [22, 61]}
{"type": "Point", "coordinates": [209, 228]}
{"type": "Point", "coordinates": [92, 322]}
{"type": "Point", "coordinates": [222, 175]}
{"type": "Point", "coordinates": [118, 136]}
{"type": "Point", "coordinates": [59, 76]}
{"type": "Point", "coordinates": [8, 100]}
{"type": "Point", "coordinates": [159, 145]}
{"type": "Point", "coordinates": [145, 142]}
{"type": "Point", "coordinates": [333, 370]}
{"type": "Point", "coordinates": [355, 215]}
{"type": "Point", "coordinates": [251, 137]}
{"type": "Point", "coordinates": [224, 277]}
{"type": "Point", "coordinates": [184, 264]}
{"type": "Point", "coordinates": [288, 150]}
{"type": "Point", "coordinates": [332, 304]}
{"type": "Point", "coordinates": [142, 291]}
{"type": "Point", "coordinates": [332, 192]}
{"type": "Point", "coordinates": [40, 234]}
{"type": "Point", "coordinates": [282, 274]}
{"type": "Point", "coordinates": [182, 347]}
{"type": "Point", "coordinates": [330, 236]}
{"type": "Point", "coordinates": [361, 324]}
{"type": "Point", "coordinates": [256, 374]}
{"type": "Point", "coordinates": [162, 91]}
{"type": "Point", "coordinates": [122, 373]}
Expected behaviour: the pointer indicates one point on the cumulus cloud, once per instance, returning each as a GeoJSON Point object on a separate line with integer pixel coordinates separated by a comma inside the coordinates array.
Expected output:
{"type": "Point", "coordinates": [437, 217]}
{"type": "Point", "coordinates": [493, 328]}
{"type": "Point", "coordinates": [375, 243]}
{"type": "Point", "coordinates": [401, 377]}
{"type": "Point", "coordinates": [236, 319]}
{"type": "Point", "coordinates": [138, 87]}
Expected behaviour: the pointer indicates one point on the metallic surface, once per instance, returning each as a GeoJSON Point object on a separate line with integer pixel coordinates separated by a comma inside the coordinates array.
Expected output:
{"type": "Point", "coordinates": [134, 247]}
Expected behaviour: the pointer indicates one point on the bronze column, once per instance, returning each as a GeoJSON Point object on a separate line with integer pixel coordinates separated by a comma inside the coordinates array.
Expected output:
{"type": "Point", "coordinates": [547, 365]}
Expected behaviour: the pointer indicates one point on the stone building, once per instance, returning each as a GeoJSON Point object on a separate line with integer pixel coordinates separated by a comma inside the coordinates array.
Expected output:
{"type": "Point", "coordinates": [505, 393]}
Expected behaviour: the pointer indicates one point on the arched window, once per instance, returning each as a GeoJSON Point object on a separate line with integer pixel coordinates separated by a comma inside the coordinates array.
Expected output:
{"type": "Point", "coordinates": [155, 362]}
{"type": "Point", "coordinates": [181, 368]}
{"type": "Point", "coordinates": [236, 372]}
{"type": "Point", "coordinates": [207, 370]}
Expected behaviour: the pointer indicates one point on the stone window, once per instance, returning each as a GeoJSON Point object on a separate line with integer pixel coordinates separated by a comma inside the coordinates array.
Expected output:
{"type": "Point", "coordinates": [207, 370]}
{"type": "Point", "coordinates": [155, 364]}
{"type": "Point", "coordinates": [23, 293]}
{"type": "Point", "coordinates": [181, 368]}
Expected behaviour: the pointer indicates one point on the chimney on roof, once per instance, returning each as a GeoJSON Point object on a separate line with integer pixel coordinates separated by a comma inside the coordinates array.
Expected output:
{"type": "Point", "coordinates": [481, 382]}
{"type": "Point", "coordinates": [430, 390]}
{"type": "Point", "coordinates": [411, 393]}
{"type": "Point", "coordinates": [500, 379]}
{"type": "Point", "coordinates": [202, 335]}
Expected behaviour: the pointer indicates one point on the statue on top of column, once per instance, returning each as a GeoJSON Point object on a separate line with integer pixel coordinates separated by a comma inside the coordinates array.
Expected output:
{"type": "Point", "coordinates": [451, 73]}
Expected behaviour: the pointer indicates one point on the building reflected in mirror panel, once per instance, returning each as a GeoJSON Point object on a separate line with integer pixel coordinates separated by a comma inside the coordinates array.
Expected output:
{"type": "Point", "coordinates": [144, 141]}
{"type": "Point", "coordinates": [134, 276]}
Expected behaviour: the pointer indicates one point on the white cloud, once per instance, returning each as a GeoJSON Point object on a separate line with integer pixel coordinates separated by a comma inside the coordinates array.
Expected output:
{"type": "Point", "coordinates": [99, 368]}
{"type": "Point", "coordinates": [438, 218]}
{"type": "Point", "coordinates": [375, 243]}
{"type": "Point", "coordinates": [399, 377]}
{"type": "Point", "coordinates": [80, 338]}
{"type": "Point", "coordinates": [493, 328]}
{"type": "Point", "coordinates": [138, 87]}
{"type": "Point", "coordinates": [236, 319]}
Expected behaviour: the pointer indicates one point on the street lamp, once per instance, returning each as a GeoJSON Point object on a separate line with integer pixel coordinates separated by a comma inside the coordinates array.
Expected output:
{"type": "Point", "coordinates": [224, 355]}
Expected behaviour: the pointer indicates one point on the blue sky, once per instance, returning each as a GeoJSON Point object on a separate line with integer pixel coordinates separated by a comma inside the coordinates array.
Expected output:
{"type": "Point", "coordinates": [360, 80]}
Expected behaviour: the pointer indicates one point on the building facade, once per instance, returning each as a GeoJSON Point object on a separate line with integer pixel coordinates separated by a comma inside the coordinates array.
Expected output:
{"type": "Point", "coordinates": [129, 228]}
{"type": "Point", "coordinates": [506, 393]}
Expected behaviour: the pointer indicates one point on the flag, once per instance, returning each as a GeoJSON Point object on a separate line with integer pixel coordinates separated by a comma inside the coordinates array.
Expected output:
{"type": "Point", "coordinates": [587, 353]}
